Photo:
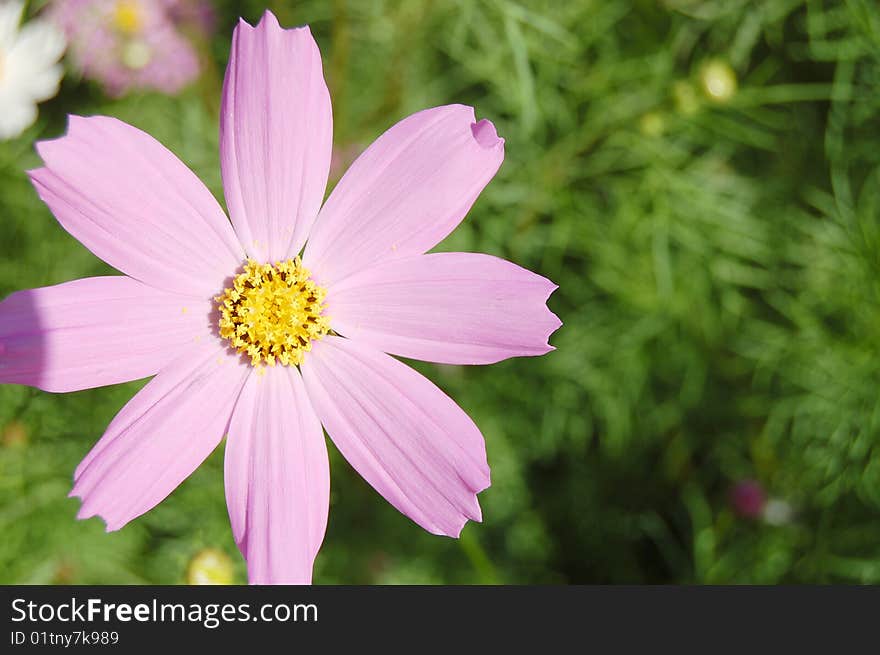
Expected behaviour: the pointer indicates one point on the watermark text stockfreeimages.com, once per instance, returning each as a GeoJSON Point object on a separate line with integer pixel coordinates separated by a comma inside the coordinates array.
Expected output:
{"type": "Point", "coordinates": [209, 615]}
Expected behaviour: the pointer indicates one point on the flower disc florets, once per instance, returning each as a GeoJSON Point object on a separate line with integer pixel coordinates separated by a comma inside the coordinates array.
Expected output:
{"type": "Point", "coordinates": [273, 312]}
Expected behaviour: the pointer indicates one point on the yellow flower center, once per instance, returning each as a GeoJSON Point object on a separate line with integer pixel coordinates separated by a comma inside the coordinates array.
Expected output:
{"type": "Point", "coordinates": [272, 313]}
{"type": "Point", "coordinates": [127, 16]}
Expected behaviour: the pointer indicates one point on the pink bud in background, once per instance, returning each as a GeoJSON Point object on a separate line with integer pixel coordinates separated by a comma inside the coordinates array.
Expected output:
{"type": "Point", "coordinates": [747, 499]}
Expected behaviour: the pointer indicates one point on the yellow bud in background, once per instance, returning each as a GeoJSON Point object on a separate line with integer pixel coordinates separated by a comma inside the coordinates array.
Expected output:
{"type": "Point", "coordinates": [14, 435]}
{"type": "Point", "coordinates": [718, 80]}
{"type": "Point", "coordinates": [210, 566]}
{"type": "Point", "coordinates": [685, 97]}
{"type": "Point", "coordinates": [652, 124]}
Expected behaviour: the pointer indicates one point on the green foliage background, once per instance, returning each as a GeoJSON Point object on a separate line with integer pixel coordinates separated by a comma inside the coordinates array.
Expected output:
{"type": "Point", "coordinates": [719, 274]}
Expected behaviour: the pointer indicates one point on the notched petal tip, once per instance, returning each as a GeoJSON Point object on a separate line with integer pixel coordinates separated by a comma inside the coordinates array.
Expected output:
{"type": "Point", "coordinates": [82, 514]}
{"type": "Point", "coordinates": [44, 146]}
{"type": "Point", "coordinates": [553, 322]}
{"type": "Point", "coordinates": [472, 512]}
{"type": "Point", "coordinates": [475, 516]}
{"type": "Point", "coordinates": [75, 123]}
{"type": "Point", "coordinates": [549, 289]}
{"type": "Point", "coordinates": [267, 24]}
{"type": "Point", "coordinates": [74, 119]}
{"type": "Point", "coordinates": [457, 533]}
{"type": "Point", "coordinates": [269, 21]}
{"type": "Point", "coordinates": [85, 512]}
{"type": "Point", "coordinates": [35, 175]}
{"type": "Point", "coordinates": [269, 18]}
{"type": "Point", "coordinates": [486, 135]}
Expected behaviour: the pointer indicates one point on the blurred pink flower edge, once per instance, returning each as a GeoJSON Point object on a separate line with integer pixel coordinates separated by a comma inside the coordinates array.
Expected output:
{"type": "Point", "coordinates": [140, 209]}
{"type": "Point", "coordinates": [130, 45]}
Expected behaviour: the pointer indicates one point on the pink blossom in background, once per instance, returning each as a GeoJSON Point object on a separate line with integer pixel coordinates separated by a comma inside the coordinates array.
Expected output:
{"type": "Point", "coordinates": [130, 44]}
{"type": "Point", "coordinates": [748, 498]}
{"type": "Point", "coordinates": [249, 340]}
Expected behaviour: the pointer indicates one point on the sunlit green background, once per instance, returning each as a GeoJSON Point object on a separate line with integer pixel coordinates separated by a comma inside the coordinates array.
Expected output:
{"type": "Point", "coordinates": [702, 180]}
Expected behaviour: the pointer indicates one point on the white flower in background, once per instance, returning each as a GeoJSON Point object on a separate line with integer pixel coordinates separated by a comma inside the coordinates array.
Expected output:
{"type": "Point", "coordinates": [29, 69]}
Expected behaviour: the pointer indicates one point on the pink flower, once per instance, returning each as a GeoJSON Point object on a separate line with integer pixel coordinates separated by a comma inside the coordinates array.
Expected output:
{"type": "Point", "coordinates": [128, 44]}
{"type": "Point", "coordinates": [237, 330]}
{"type": "Point", "coordinates": [748, 499]}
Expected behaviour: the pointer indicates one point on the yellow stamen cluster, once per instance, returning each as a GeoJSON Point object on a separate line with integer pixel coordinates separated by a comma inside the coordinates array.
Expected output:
{"type": "Point", "coordinates": [127, 16]}
{"type": "Point", "coordinates": [272, 313]}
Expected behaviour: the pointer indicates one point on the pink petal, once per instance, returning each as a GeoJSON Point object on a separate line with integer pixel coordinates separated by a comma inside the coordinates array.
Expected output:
{"type": "Point", "coordinates": [96, 331]}
{"type": "Point", "coordinates": [277, 478]}
{"type": "Point", "coordinates": [405, 193]}
{"type": "Point", "coordinates": [276, 133]}
{"type": "Point", "coordinates": [135, 205]}
{"type": "Point", "coordinates": [408, 439]}
{"type": "Point", "coordinates": [453, 308]}
{"type": "Point", "coordinates": [160, 436]}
